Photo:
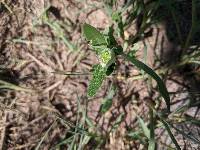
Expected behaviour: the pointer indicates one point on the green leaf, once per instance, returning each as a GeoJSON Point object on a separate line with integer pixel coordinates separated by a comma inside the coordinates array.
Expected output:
{"type": "Point", "coordinates": [167, 127]}
{"type": "Point", "coordinates": [93, 35]}
{"type": "Point", "coordinates": [117, 17]}
{"type": "Point", "coordinates": [118, 50]}
{"type": "Point", "coordinates": [111, 38]}
{"type": "Point", "coordinates": [192, 120]}
{"type": "Point", "coordinates": [107, 102]}
{"type": "Point", "coordinates": [98, 49]}
{"type": "Point", "coordinates": [106, 57]}
{"type": "Point", "coordinates": [187, 135]}
{"type": "Point", "coordinates": [98, 76]}
{"type": "Point", "coordinates": [161, 86]}
{"type": "Point", "coordinates": [152, 142]}
{"type": "Point", "coordinates": [144, 127]}
{"type": "Point", "coordinates": [135, 135]}
{"type": "Point", "coordinates": [106, 105]}
{"type": "Point", "coordinates": [117, 122]}
{"type": "Point", "coordinates": [149, 133]}
{"type": "Point", "coordinates": [110, 69]}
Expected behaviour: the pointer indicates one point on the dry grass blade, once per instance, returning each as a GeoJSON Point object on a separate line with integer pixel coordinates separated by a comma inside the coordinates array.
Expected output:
{"type": "Point", "coordinates": [45, 135]}
{"type": "Point", "coordinates": [3, 132]}
{"type": "Point", "coordinates": [7, 85]}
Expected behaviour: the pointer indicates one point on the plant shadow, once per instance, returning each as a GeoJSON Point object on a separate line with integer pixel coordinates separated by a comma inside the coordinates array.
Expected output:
{"type": "Point", "coordinates": [179, 52]}
{"type": "Point", "coordinates": [182, 39]}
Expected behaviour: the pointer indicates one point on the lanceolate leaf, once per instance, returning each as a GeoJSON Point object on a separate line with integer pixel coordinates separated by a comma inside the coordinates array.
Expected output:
{"type": "Point", "coordinates": [144, 127]}
{"type": "Point", "coordinates": [107, 102]}
{"type": "Point", "coordinates": [187, 135]}
{"type": "Point", "coordinates": [106, 105]}
{"type": "Point", "coordinates": [152, 142]}
{"type": "Point", "coordinates": [93, 35]}
{"type": "Point", "coordinates": [98, 76]}
{"type": "Point", "coordinates": [167, 127]}
{"type": "Point", "coordinates": [161, 85]}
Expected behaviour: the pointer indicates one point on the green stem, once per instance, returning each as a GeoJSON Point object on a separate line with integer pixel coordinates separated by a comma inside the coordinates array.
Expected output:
{"type": "Point", "coordinates": [192, 27]}
{"type": "Point", "coordinates": [152, 128]}
{"type": "Point", "coordinates": [167, 127]}
{"type": "Point", "coordinates": [177, 26]}
{"type": "Point", "coordinates": [11, 86]}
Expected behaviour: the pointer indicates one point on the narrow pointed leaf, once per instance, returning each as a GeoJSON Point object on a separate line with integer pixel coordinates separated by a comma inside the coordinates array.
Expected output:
{"type": "Point", "coordinates": [107, 102]}
{"type": "Point", "coordinates": [106, 105]}
{"type": "Point", "coordinates": [152, 142]}
{"type": "Point", "coordinates": [117, 122]}
{"type": "Point", "coordinates": [167, 127]}
{"type": "Point", "coordinates": [187, 135]}
{"type": "Point", "coordinates": [161, 86]}
{"type": "Point", "coordinates": [144, 127]}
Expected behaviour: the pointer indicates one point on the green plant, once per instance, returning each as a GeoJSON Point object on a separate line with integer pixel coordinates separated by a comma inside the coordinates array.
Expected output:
{"type": "Point", "coordinates": [107, 51]}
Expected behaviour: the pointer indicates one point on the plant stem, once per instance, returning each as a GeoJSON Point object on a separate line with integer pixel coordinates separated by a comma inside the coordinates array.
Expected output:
{"type": "Point", "coordinates": [11, 86]}
{"type": "Point", "coordinates": [192, 26]}
{"type": "Point", "coordinates": [152, 128]}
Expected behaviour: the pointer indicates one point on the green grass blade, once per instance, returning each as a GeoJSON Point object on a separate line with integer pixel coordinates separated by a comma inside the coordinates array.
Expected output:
{"type": "Point", "coordinates": [137, 135]}
{"type": "Point", "coordinates": [117, 122]}
{"type": "Point", "coordinates": [93, 35]}
{"type": "Point", "coordinates": [152, 142]}
{"type": "Point", "coordinates": [167, 127]}
{"type": "Point", "coordinates": [68, 73]}
{"type": "Point", "coordinates": [45, 135]}
{"type": "Point", "coordinates": [192, 138]}
{"type": "Point", "coordinates": [194, 62]}
{"type": "Point", "coordinates": [192, 120]}
{"type": "Point", "coordinates": [161, 86]}
{"type": "Point", "coordinates": [7, 85]}
{"type": "Point", "coordinates": [59, 32]}
{"type": "Point", "coordinates": [144, 127]}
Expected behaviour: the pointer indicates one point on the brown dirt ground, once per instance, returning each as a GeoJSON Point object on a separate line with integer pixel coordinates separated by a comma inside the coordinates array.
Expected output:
{"type": "Point", "coordinates": [30, 51]}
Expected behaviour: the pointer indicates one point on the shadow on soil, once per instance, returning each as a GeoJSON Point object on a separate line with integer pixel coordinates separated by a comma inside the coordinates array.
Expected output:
{"type": "Point", "coordinates": [177, 18]}
{"type": "Point", "coordinates": [177, 43]}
